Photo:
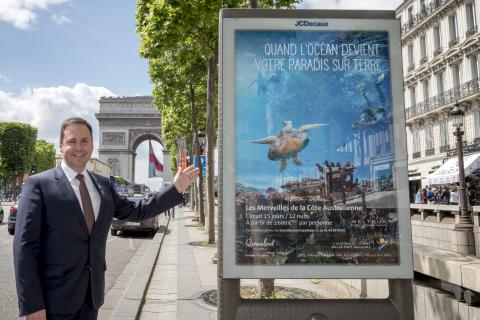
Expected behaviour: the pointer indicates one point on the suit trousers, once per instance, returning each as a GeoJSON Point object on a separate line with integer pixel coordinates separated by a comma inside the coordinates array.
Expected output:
{"type": "Point", "coordinates": [87, 312]}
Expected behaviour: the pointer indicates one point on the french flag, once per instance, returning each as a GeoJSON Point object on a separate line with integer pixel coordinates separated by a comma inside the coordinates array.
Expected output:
{"type": "Point", "coordinates": [155, 167]}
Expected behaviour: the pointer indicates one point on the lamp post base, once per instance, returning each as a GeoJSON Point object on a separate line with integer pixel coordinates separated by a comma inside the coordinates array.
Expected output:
{"type": "Point", "coordinates": [464, 224]}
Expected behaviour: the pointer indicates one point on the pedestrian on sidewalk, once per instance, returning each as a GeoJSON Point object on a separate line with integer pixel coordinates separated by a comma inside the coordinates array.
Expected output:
{"type": "Point", "coordinates": [171, 213]}
{"type": "Point", "coordinates": [454, 195]}
{"type": "Point", "coordinates": [63, 220]}
{"type": "Point", "coordinates": [418, 196]}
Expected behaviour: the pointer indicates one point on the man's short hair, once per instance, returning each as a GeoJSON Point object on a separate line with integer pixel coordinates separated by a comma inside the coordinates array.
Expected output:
{"type": "Point", "coordinates": [74, 120]}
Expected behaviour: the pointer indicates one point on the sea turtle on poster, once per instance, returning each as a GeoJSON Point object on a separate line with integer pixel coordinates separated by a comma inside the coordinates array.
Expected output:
{"type": "Point", "coordinates": [288, 142]}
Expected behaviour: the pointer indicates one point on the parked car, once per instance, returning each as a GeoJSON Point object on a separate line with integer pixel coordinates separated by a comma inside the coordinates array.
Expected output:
{"type": "Point", "coordinates": [150, 225]}
{"type": "Point", "coordinates": [12, 217]}
{"type": "Point", "coordinates": [1, 213]}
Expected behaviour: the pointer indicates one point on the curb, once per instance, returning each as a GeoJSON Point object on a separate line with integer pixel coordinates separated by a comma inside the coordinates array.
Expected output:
{"type": "Point", "coordinates": [122, 304]}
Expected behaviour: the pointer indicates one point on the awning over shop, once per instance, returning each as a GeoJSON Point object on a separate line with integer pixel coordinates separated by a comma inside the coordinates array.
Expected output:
{"type": "Point", "coordinates": [448, 172]}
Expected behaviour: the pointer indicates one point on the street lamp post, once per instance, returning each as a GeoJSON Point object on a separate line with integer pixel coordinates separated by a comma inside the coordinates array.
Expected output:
{"type": "Point", "coordinates": [465, 222]}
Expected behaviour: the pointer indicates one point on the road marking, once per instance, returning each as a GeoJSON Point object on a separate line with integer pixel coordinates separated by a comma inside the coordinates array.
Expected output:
{"type": "Point", "coordinates": [130, 243]}
{"type": "Point", "coordinates": [113, 238]}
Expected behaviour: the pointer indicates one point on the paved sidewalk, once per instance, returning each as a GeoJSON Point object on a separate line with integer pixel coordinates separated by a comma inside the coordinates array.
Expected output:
{"type": "Point", "coordinates": [182, 273]}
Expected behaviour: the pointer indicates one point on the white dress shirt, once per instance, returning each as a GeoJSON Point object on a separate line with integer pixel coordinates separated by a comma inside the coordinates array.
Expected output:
{"type": "Point", "coordinates": [72, 178]}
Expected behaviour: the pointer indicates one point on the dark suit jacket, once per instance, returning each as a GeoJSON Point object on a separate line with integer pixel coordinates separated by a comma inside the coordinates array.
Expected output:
{"type": "Point", "coordinates": [54, 256]}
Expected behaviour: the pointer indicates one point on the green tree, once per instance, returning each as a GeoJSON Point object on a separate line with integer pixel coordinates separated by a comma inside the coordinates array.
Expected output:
{"type": "Point", "coordinates": [44, 156]}
{"type": "Point", "coordinates": [191, 25]}
{"type": "Point", "coordinates": [17, 147]}
{"type": "Point", "coordinates": [177, 77]}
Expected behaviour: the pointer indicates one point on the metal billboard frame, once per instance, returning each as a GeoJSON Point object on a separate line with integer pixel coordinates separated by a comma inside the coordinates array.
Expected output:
{"type": "Point", "coordinates": [399, 304]}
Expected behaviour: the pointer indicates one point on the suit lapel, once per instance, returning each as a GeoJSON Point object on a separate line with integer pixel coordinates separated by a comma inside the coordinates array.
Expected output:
{"type": "Point", "coordinates": [101, 192]}
{"type": "Point", "coordinates": [66, 190]}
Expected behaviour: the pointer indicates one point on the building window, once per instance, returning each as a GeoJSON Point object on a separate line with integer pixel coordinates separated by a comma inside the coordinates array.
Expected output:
{"type": "Point", "coordinates": [423, 50]}
{"type": "Point", "coordinates": [426, 93]}
{"type": "Point", "coordinates": [429, 140]}
{"type": "Point", "coordinates": [471, 21]}
{"type": "Point", "coordinates": [437, 40]}
{"type": "Point", "coordinates": [476, 121]}
{"type": "Point", "coordinates": [474, 66]}
{"type": "Point", "coordinates": [411, 64]}
{"type": "Point", "coordinates": [416, 142]}
{"type": "Point", "coordinates": [456, 80]}
{"type": "Point", "coordinates": [443, 136]}
{"type": "Point", "coordinates": [453, 28]}
{"type": "Point", "coordinates": [410, 16]}
{"type": "Point", "coordinates": [413, 98]}
{"type": "Point", "coordinates": [423, 8]}
{"type": "Point", "coordinates": [440, 87]}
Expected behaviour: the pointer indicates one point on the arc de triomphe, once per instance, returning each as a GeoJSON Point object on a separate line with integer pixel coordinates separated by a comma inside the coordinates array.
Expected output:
{"type": "Point", "coordinates": [124, 123]}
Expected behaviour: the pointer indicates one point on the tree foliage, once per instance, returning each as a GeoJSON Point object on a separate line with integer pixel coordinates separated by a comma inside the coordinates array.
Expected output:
{"type": "Point", "coordinates": [17, 147]}
{"type": "Point", "coordinates": [173, 75]}
{"type": "Point", "coordinates": [44, 156]}
{"type": "Point", "coordinates": [177, 36]}
{"type": "Point", "coordinates": [180, 40]}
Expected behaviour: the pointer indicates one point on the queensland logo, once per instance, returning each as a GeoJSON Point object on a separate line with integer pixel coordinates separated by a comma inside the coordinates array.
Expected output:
{"type": "Point", "coordinates": [306, 23]}
{"type": "Point", "coordinates": [265, 244]}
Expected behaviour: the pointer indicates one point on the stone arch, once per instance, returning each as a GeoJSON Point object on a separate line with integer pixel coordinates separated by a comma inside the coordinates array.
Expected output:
{"type": "Point", "coordinates": [137, 136]}
{"type": "Point", "coordinates": [124, 123]}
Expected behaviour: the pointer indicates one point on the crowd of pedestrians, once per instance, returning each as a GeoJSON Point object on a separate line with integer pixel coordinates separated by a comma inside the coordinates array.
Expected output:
{"type": "Point", "coordinates": [441, 195]}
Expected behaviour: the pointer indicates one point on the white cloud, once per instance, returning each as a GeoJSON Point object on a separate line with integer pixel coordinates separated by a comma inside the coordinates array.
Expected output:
{"type": "Point", "coordinates": [351, 4]}
{"type": "Point", "coordinates": [22, 13]}
{"type": "Point", "coordinates": [4, 78]}
{"type": "Point", "coordinates": [60, 19]}
{"type": "Point", "coordinates": [46, 108]}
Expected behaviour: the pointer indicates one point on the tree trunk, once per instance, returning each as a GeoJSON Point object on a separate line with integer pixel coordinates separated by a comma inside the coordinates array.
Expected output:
{"type": "Point", "coordinates": [265, 288]}
{"type": "Point", "coordinates": [192, 198]}
{"type": "Point", "coordinates": [211, 89]}
{"type": "Point", "coordinates": [199, 154]}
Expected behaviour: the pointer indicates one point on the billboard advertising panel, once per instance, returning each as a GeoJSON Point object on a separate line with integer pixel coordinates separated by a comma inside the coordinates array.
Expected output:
{"type": "Point", "coordinates": [314, 170]}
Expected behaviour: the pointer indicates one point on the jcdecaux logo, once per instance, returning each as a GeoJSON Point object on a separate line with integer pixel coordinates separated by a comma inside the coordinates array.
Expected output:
{"type": "Point", "coordinates": [306, 23]}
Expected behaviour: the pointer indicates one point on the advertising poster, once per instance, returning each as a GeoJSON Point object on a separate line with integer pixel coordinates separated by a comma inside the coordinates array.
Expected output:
{"type": "Point", "coordinates": [315, 152]}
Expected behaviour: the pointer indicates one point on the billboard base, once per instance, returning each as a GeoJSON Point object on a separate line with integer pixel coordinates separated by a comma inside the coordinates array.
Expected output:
{"type": "Point", "coordinates": [398, 306]}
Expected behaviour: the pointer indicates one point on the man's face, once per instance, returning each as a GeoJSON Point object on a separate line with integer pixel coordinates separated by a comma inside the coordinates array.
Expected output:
{"type": "Point", "coordinates": [76, 146]}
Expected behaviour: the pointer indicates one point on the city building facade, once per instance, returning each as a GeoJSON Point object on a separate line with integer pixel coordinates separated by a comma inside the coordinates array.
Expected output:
{"type": "Point", "coordinates": [440, 50]}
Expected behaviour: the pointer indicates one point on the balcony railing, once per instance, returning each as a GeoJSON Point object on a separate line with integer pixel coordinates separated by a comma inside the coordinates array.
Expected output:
{"type": "Point", "coordinates": [453, 42]}
{"type": "Point", "coordinates": [459, 92]}
{"type": "Point", "coordinates": [423, 60]}
{"type": "Point", "coordinates": [444, 148]}
{"type": "Point", "coordinates": [429, 152]}
{"type": "Point", "coordinates": [467, 148]}
{"type": "Point", "coordinates": [411, 67]}
{"type": "Point", "coordinates": [425, 12]}
{"type": "Point", "coordinates": [437, 51]}
{"type": "Point", "coordinates": [470, 32]}
{"type": "Point", "coordinates": [416, 155]}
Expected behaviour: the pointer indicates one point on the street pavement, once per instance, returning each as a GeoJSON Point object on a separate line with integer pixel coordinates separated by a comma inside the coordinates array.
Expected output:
{"type": "Point", "coordinates": [184, 271]}
{"type": "Point", "coordinates": [159, 278]}
{"type": "Point", "coordinates": [120, 251]}
{"type": "Point", "coordinates": [8, 294]}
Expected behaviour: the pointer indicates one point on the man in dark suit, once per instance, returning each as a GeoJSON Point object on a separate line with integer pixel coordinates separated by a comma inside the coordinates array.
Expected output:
{"type": "Point", "coordinates": [63, 220]}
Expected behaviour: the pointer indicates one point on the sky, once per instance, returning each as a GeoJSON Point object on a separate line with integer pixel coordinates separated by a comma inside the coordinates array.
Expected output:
{"type": "Point", "coordinates": [58, 57]}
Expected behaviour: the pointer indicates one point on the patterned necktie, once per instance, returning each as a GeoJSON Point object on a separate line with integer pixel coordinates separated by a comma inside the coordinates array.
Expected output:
{"type": "Point", "coordinates": [86, 204]}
